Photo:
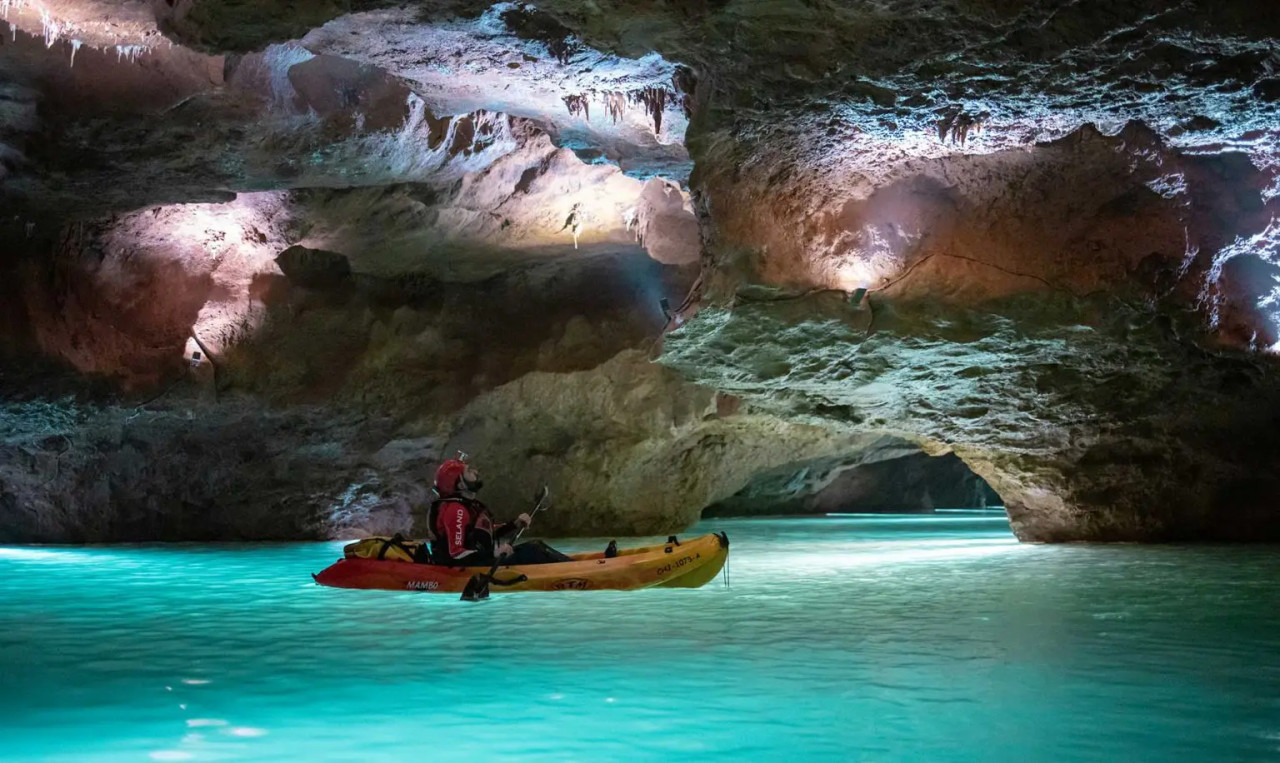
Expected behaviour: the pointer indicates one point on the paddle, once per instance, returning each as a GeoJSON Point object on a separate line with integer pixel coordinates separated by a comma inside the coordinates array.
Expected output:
{"type": "Point", "coordinates": [477, 587]}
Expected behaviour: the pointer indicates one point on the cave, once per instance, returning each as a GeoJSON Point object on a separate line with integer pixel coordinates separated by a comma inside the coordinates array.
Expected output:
{"type": "Point", "coordinates": [915, 483]}
{"type": "Point", "coordinates": [1073, 294]}
{"type": "Point", "coordinates": [767, 265]}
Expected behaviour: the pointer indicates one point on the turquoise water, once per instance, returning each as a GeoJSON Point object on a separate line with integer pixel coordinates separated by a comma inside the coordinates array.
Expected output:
{"type": "Point", "coordinates": [851, 638]}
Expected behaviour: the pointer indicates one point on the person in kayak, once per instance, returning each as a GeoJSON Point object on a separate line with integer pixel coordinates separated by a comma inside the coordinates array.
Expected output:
{"type": "Point", "coordinates": [465, 533]}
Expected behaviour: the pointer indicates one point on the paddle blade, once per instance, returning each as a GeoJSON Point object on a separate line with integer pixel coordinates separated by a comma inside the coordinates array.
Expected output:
{"type": "Point", "coordinates": [540, 496]}
{"type": "Point", "coordinates": [477, 588]}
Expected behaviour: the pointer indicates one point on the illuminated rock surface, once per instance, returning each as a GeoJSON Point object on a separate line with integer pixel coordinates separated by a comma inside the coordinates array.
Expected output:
{"type": "Point", "coordinates": [336, 226]}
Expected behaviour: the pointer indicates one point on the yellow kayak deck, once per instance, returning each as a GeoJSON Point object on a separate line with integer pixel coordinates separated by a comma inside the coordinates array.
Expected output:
{"type": "Point", "coordinates": [680, 564]}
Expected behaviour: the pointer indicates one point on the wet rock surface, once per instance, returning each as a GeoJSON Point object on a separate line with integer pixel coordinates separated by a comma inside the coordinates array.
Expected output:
{"type": "Point", "coordinates": [75, 473]}
{"type": "Point", "coordinates": [1093, 419]}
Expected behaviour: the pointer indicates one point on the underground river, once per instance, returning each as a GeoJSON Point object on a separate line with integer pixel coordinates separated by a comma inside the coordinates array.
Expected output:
{"type": "Point", "coordinates": [852, 637]}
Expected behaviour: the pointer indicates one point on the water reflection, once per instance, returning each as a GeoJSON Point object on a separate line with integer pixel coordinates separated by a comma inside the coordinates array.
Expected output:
{"type": "Point", "coordinates": [876, 638]}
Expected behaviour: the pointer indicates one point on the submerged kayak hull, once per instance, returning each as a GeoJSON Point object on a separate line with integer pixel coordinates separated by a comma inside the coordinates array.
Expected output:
{"type": "Point", "coordinates": [683, 564]}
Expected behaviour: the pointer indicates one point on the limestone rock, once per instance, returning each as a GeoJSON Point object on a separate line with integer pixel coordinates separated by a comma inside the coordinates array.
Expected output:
{"type": "Point", "coordinates": [235, 471]}
{"type": "Point", "coordinates": [1040, 236]}
{"type": "Point", "coordinates": [628, 448]}
{"type": "Point", "coordinates": [1094, 419]}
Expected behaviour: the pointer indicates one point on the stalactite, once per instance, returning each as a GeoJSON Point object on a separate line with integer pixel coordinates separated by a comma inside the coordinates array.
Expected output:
{"type": "Point", "coordinates": [615, 105]}
{"type": "Point", "coordinates": [957, 125]}
{"type": "Point", "coordinates": [130, 53]}
{"type": "Point", "coordinates": [573, 223]}
{"type": "Point", "coordinates": [578, 104]}
{"type": "Point", "coordinates": [654, 100]}
{"type": "Point", "coordinates": [944, 126]}
{"type": "Point", "coordinates": [50, 28]}
{"type": "Point", "coordinates": [562, 50]}
{"type": "Point", "coordinates": [630, 218]}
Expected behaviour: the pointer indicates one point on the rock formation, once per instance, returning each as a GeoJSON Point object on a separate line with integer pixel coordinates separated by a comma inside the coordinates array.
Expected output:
{"type": "Point", "coordinates": [914, 483]}
{"type": "Point", "coordinates": [1037, 238]}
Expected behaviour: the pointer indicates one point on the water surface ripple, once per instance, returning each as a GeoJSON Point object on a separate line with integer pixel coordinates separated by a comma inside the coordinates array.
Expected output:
{"type": "Point", "coordinates": [850, 638]}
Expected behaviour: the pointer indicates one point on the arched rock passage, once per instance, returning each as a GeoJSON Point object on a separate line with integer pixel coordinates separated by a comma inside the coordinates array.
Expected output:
{"type": "Point", "coordinates": [912, 483]}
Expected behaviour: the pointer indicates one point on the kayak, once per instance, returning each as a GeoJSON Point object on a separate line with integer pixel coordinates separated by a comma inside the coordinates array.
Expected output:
{"type": "Point", "coordinates": [674, 564]}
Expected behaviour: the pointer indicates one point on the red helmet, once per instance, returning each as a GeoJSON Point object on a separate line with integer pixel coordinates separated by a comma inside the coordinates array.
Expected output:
{"type": "Point", "coordinates": [447, 477]}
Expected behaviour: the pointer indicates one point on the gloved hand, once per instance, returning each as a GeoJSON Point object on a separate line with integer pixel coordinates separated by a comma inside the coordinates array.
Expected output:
{"type": "Point", "coordinates": [523, 521]}
{"type": "Point", "coordinates": [502, 550]}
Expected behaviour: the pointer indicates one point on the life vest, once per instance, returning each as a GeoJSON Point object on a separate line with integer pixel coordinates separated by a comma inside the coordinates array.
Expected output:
{"type": "Point", "coordinates": [476, 535]}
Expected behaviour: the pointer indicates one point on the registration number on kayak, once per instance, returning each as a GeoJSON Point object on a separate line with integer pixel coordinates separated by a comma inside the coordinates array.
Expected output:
{"type": "Point", "coordinates": [675, 565]}
{"type": "Point", "coordinates": [422, 585]}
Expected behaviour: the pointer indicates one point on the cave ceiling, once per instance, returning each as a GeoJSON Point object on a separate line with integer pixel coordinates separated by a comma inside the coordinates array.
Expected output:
{"type": "Point", "coordinates": [900, 210]}
{"type": "Point", "coordinates": [843, 88]}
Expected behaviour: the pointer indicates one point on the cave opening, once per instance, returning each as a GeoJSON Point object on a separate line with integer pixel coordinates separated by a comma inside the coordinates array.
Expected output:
{"type": "Point", "coordinates": [910, 483]}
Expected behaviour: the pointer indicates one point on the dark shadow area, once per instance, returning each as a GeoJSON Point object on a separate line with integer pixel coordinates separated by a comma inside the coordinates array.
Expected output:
{"type": "Point", "coordinates": [915, 483]}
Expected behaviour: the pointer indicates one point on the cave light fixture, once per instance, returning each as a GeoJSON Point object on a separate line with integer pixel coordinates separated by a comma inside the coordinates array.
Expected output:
{"type": "Point", "coordinates": [864, 267]}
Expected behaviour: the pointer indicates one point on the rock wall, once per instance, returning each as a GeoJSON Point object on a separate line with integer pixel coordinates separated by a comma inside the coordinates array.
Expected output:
{"type": "Point", "coordinates": [415, 347]}
{"type": "Point", "coordinates": [532, 241]}
{"type": "Point", "coordinates": [1039, 237]}
{"type": "Point", "coordinates": [82, 472]}
{"type": "Point", "coordinates": [629, 447]}
{"type": "Point", "coordinates": [1084, 323]}
{"type": "Point", "coordinates": [1093, 418]}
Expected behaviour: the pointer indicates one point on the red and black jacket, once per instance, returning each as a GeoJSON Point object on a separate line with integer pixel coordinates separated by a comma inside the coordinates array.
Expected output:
{"type": "Point", "coordinates": [463, 529]}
